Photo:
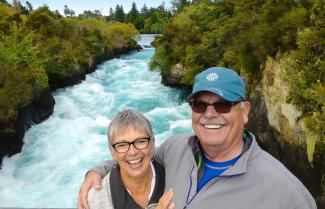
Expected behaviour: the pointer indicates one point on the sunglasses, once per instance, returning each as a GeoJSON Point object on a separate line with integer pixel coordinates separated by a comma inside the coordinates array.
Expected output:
{"type": "Point", "coordinates": [220, 107]}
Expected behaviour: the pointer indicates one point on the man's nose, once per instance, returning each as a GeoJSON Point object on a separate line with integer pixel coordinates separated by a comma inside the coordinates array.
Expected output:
{"type": "Point", "coordinates": [210, 112]}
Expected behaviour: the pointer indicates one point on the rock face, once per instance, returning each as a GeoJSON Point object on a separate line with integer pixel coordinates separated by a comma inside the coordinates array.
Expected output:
{"type": "Point", "coordinates": [174, 79]}
{"type": "Point", "coordinates": [12, 131]}
{"type": "Point", "coordinates": [280, 129]}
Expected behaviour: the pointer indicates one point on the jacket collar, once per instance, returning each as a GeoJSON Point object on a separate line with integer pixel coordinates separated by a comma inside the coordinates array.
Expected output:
{"type": "Point", "coordinates": [250, 149]}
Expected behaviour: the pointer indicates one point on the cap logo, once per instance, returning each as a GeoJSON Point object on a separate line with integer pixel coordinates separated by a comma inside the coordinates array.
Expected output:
{"type": "Point", "coordinates": [212, 76]}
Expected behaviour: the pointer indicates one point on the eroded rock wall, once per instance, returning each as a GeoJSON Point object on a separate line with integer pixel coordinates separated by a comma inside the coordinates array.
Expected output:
{"type": "Point", "coordinates": [280, 129]}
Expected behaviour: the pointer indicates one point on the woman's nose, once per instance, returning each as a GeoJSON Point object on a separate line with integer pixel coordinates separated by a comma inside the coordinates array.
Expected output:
{"type": "Point", "coordinates": [132, 149]}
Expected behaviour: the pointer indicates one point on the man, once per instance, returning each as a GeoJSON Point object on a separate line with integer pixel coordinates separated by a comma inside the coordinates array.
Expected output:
{"type": "Point", "coordinates": [221, 166]}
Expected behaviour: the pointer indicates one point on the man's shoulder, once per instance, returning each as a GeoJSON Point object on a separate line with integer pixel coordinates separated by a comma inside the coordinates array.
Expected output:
{"type": "Point", "coordinates": [104, 187]}
{"type": "Point", "coordinates": [101, 199]}
{"type": "Point", "coordinates": [268, 163]}
{"type": "Point", "coordinates": [264, 163]}
{"type": "Point", "coordinates": [178, 139]}
{"type": "Point", "coordinates": [276, 174]}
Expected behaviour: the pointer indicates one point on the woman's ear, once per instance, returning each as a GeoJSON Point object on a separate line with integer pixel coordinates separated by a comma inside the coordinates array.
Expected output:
{"type": "Point", "coordinates": [111, 149]}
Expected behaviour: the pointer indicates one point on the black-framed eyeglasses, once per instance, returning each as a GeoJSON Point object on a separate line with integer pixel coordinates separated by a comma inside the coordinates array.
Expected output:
{"type": "Point", "coordinates": [220, 107]}
{"type": "Point", "coordinates": [140, 144]}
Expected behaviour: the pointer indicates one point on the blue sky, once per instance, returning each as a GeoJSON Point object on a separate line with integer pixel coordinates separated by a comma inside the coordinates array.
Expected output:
{"type": "Point", "coordinates": [103, 5]}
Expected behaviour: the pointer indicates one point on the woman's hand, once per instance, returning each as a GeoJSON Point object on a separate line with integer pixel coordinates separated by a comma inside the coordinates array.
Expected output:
{"type": "Point", "coordinates": [166, 201]}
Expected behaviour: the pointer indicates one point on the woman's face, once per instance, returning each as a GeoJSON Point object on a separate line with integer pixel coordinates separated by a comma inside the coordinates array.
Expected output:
{"type": "Point", "coordinates": [134, 163]}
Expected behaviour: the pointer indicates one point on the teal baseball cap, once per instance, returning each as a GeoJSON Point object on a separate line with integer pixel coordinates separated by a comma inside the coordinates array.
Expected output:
{"type": "Point", "coordinates": [223, 82]}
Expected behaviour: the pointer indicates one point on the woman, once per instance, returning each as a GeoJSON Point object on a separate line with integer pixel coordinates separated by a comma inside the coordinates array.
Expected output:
{"type": "Point", "coordinates": [137, 181]}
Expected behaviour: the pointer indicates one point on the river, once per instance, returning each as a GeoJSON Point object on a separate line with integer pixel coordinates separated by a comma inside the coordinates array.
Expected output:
{"type": "Point", "coordinates": [58, 151]}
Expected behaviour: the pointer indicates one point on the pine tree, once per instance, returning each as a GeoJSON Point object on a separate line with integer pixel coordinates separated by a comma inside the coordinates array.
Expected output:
{"type": "Point", "coordinates": [68, 12]}
{"type": "Point", "coordinates": [119, 14]}
{"type": "Point", "coordinates": [29, 6]}
{"type": "Point", "coordinates": [133, 14]}
{"type": "Point", "coordinates": [145, 11]}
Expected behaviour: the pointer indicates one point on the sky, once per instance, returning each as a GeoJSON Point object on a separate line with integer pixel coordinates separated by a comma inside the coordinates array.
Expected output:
{"type": "Point", "coordinates": [78, 6]}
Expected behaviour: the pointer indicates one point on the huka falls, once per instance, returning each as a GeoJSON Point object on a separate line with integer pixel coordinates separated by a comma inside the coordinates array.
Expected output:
{"type": "Point", "coordinates": [168, 104]}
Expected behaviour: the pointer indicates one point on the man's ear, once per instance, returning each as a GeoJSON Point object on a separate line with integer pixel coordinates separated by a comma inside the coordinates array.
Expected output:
{"type": "Point", "coordinates": [245, 108]}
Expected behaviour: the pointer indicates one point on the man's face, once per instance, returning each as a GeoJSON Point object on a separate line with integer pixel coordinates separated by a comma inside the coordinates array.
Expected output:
{"type": "Point", "coordinates": [219, 130]}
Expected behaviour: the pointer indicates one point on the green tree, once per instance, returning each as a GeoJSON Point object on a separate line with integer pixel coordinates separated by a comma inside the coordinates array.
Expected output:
{"type": "Point", "coordinates": [133, 14]}
{"type": "Point", "coordinates": [178, 5]}
{"type": "Point", "coordinates": [110, 17]}
{"type": "Point", "coordinates": [6, 17]}
{"type": "Point", "coordinates": [68, 12]}
{"type": "Point", "coordinates": [21, 71]}
{"type": "Point", "coordinates": [144, 11]}
{"type": "Point", "coordinates": [43, 21]}
{"type": "Point", "coordinates": [91, 14]}
{"type": "Point", "coordinates": [119, 14]}
{"type": "Point", "coordinates": [29, 6]}
{"type": "Point", "coordinates": [57, 14]}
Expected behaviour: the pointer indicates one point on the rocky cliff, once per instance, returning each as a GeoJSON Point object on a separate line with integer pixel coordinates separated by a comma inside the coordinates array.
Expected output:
{"type": "Point", "coordinates": [281, 130]}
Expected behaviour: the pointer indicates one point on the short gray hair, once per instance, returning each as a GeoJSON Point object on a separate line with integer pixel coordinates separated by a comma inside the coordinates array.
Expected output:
{"type": "Point", "coordinates": [128, 118]}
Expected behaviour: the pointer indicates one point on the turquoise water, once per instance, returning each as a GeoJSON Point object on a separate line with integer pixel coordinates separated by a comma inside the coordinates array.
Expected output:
{"type": "Point", "coordinates": [58, 151]}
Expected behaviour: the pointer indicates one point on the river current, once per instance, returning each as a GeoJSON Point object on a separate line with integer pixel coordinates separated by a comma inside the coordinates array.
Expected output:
{"type": "Point", "coordinates": [57, 152]}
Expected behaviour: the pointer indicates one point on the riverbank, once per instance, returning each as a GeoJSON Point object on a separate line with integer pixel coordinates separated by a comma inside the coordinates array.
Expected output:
{"type": "Point", "coordinates": [58, 151]}
{"type": "Point", "coordinates": [12, 131]}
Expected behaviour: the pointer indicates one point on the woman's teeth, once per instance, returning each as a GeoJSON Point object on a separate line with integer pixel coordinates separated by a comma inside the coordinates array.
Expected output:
{"type": "Point", "coordinates": [134, 161]}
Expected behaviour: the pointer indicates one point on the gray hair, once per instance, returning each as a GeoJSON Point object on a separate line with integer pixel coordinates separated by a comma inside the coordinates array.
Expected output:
{"type": "Point", "coordinates": [128, 118]}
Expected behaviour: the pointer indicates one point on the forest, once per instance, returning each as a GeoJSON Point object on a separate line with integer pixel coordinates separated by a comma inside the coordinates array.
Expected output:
{"type": "Point", "coordinates": [242, 35]}
{"type": "Point", "coordinates": [39, 48]}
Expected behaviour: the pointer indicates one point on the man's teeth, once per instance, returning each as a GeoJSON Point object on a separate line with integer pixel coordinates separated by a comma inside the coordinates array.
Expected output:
{"type": "Point", "coordinates": [217, 126]}
{"type": "Point", "coordinates": [134, 161]}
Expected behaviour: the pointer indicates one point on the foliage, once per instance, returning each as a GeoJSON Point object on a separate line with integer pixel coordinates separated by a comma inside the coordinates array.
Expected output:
{"type": "Point", "coordinates": [6, 17]}
{"type": "Point", "coordinates": [91, 14]}
{"type": "Point", "coordinates": [40, 49]}
{"type": "Point", "coordinates": [119, 14]}
{"type": "Point", "coordinates": [151, 20]}
{"type": "Point", "coordinates": [68, 12]}
{"type": "Point", "coordinates": [178, 5]}
{"type": "Point", "coordinates": [236, 34]}
{"type": "Point", "coordinates": [241, 34]}
{"type": "Point", "coordinates": [22, 74]}
{"type": "Point", "coordinates": [306, 77]}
